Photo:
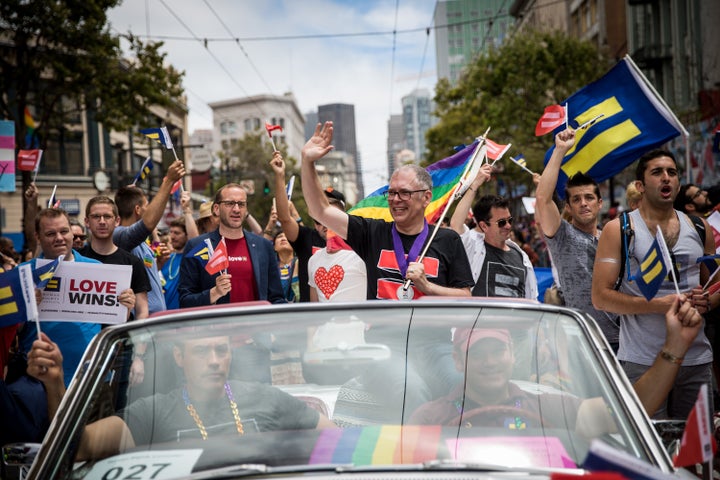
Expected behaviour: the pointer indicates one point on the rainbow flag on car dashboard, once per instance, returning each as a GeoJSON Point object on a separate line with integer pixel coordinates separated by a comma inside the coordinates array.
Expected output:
{"type": "Point", "coordinates": [445, 175]}
{"type": "Point", "coordinates": [377, 445]}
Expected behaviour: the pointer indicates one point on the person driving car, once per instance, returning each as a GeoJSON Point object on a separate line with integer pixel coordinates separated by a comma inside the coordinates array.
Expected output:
{"type": "Point", "coordinates": [207, 405]}
{"type": "Point", "coordinates": [488, 397]}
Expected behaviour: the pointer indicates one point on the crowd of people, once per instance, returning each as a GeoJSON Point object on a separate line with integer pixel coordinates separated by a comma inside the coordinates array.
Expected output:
{"type": "Point", "coordinates": [485, 251]}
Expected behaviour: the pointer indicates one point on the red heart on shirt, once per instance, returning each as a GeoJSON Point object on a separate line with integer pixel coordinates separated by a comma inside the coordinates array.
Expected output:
{"type": "Point", "coordinates": [328, 281]}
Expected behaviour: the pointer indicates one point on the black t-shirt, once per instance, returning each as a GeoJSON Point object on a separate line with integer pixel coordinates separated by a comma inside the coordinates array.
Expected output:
{"type": "Point", "coordinates": [502, 274]}
{"type": "Point", "coordinates": [139, 281]}
{"type": "Point", "coordinates": [165, 418]}
{"type": "Point", "coordinates": [308, 242]}
{"type": "Point", "coordinates": [446, 262]}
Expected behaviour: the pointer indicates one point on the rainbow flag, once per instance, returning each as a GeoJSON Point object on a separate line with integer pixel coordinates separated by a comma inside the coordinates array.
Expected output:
{"type": "Point", "coordinates": [31, 139]}
{"type": "Point", "coordinates": [377, 445]}
{"type": "Point", "coordinates": [445, 175]}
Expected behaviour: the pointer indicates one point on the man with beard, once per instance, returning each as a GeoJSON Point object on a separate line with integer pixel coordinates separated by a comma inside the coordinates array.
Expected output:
{"type": "Point", "coordinates": [252, 273]}
{"type": "Point", "coordinates": [641, 328]}
{"type": "Point", "coordinates": [693, 200]}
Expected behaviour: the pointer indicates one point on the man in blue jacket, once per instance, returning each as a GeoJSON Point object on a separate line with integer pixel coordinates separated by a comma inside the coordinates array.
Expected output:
{"type": "Point", "coordinates": [252, 273]}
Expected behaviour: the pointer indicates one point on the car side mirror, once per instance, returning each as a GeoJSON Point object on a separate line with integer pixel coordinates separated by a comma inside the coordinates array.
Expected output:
{"type": "Point", "coordinates": [671, 432]}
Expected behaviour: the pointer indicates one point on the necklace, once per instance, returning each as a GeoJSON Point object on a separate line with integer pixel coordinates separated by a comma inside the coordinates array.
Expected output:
{"type": "Point", "coordinates": [193, 413]}
{"type": "Point", "coordinates": [172, 275]}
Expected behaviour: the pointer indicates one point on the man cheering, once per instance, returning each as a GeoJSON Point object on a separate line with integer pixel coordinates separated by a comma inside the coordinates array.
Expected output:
{"type": "Point", "coordinates": [391, 250]}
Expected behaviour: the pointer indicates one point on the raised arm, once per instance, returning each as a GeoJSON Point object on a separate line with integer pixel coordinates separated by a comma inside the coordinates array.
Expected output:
{"type": "Point", "coordinates": [190, 226]}
{"type": "Point", "coordinates": [155, 209]}
{"type": "Point", "coordinates": [457, 221]}
{"type": "Point", "coordinates": [31, 200]}
{"type": "Point", "coordinates": [547, 213]}
{"type": "Point", "coordinates": [290, 226]}
{"type": "Point", "coordinates": [605, 273]}
{"type": "Point", "coordinates": [319, 145]}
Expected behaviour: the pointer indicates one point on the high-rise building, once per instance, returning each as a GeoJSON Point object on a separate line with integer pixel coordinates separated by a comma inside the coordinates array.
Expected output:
{"type": "Point", "coordinates": [464, 29]}
{"type": "Point", "coordinates": [417, 119]}
{"type": "Point", "coordinates": [343, 117]}
{"type": "Point", "coordinates": [311, 121]}
{"type": "Point", "coordinates": [395, 141]}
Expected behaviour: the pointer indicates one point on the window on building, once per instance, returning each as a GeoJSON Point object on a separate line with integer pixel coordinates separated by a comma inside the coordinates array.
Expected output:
{"type": "Point", "coordinates": [256, 123]}
{"type": "Point", "coordinates": [63, 154]}
{"type": "Point", "coordinates": [248, 124]}
{"type": "Point", "coordinates": [281, 122]}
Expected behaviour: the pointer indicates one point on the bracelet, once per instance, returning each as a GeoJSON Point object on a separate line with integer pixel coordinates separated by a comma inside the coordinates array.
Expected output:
{"type": "Point", "coordinates": [140, 356]}
{"type": "Point", "coordinates": [669, 357]}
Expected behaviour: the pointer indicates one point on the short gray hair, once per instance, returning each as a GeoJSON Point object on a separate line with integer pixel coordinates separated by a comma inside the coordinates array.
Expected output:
{"type": "Point", "coordinates": [422, 177]}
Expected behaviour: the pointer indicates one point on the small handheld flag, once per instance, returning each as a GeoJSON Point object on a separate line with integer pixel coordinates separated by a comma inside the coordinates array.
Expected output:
{"type": "Point", "coordinates": [697, 444]}
{"type": "Point", "coordinates": [160, 135]}
{"type": "Point", "coordinates": [28, 160]}
{"type": "Point", "coordinates": [290, 187]}
{"type": "Point", "coordinates": [52, 201]}
{"type": "Point", "coordinates": [218, 261]}
{"type": "Point", "coordinates": [553, 117]}
{"type": "Point", "coordinates": [145, 169]}
{"type": "Point", "coordinates": [495, 151]}
{"type": "Point", "coordinates": [42, 275]}
{"type": "Point", "coordinates": [666, 256]}
{"type": "Point", "coordinates": [520, 162]}
{"type": "Point", "coordinates": [270, 128]}
{"type": "Point", "coordinates": [651, 272]}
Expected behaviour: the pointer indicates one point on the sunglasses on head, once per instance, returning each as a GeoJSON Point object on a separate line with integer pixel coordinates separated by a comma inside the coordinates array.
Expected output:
{"type": "Point", "coordinates": [502, 222]}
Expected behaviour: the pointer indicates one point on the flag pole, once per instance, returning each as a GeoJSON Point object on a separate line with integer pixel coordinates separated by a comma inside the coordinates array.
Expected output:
{"type": "Point", "coordinates": [524, 168]}
{"type": "Point", "coordinates": [452, 198]}
{"type": "Point", "coordinates": [711, 277]}
{"type": "Point", "coordinates": [52, 196]}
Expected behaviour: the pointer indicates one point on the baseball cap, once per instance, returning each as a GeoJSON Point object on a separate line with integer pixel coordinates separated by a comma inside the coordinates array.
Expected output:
{"type": "Point", "coordinates": [467, 337]}
{"type": "Point", "coordinates": [205, 210]}
{"type": "Point", "coordinates": [333, 194]}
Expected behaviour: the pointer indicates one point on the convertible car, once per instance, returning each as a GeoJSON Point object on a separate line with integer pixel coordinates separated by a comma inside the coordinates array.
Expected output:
{"type": "Point", "coordinates": [438, 388]}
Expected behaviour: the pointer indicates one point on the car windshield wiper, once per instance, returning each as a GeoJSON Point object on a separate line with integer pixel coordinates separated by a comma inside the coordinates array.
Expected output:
{"type": "Point", "coordinates": [250, 469]}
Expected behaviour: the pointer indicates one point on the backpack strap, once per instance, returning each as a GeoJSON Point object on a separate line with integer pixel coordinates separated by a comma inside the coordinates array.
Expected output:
{"type": "Point", "coordinates": [699, 227]}
{"type": "Point", "coordinates": [626, 234]}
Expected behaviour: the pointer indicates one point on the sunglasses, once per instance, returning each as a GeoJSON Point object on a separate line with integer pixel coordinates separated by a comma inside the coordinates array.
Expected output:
{"type": "Point", "coordinates": [502, 222]}
{"type": "Point", "coordinates": [81, 237]}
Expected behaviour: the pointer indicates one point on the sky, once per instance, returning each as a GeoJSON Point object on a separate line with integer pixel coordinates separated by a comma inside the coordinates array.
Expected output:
{"type": "Point", "coordinates": [372, 72]}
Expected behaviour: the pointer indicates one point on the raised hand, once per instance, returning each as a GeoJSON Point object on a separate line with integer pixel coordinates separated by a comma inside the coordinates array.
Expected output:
{"type": "Point", "coordinates": [320, 144]}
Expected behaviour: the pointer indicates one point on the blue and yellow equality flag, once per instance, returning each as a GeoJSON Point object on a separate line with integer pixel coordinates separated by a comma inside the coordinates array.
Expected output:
{"type": "Point", "coordinates": [635, 120]}
{"type": "Point", "coordinates": [651, 271]}
{"type": "Point", "coordinates": [17, 296]}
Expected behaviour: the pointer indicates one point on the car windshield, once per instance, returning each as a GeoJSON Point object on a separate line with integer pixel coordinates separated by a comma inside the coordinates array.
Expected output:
{"type": "Point", "coordinates": [379, 385]}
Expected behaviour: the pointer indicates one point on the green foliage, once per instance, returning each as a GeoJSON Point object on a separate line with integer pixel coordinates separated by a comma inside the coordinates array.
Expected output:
{"type": "Point", "coordinates": [250, 159]}
{"type": "Point", "coordinates": [507, 90]}
{"type": "Point", "coordinates": [60, 56]}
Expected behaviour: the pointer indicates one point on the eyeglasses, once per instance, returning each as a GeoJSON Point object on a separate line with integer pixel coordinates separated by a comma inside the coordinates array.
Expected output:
{"type": "Point", "coordinates": [697, 194]}
{"type": "Point", "coordinates": [502, 222]}
{"type": "Point", "coordinates": [97, 217]}
{"type": "Point", "coordinates": [79, 237]}
{"type": "Point", "coordinates": [232, 203]}
{"type": "Point", "coordinates": [403, 194]}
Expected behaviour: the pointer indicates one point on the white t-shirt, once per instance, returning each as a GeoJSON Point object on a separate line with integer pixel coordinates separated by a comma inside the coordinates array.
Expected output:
{"type": "Point", "coordinates": [338, 277]}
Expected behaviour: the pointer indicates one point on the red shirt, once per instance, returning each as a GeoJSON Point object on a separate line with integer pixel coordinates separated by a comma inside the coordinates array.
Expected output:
{"type": "Point", "coordinates": [244, 287]}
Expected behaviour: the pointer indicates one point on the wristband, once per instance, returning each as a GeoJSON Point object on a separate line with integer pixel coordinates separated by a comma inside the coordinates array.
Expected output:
{"type": "Point", "coordinates": [298, 220]}
{"type": "Point", "coordinates": [140, 356]}
{"type": "Point", "coordinates": [669, 357]}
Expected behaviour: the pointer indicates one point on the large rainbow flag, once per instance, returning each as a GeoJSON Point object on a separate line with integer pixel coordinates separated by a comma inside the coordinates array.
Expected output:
{"type": "Point", "coordinates": [445, 175]}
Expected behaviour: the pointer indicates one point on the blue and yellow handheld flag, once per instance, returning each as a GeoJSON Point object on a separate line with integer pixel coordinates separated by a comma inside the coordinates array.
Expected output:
{"type": "Point", "coordinates": [712, 262]}
{"type": "Point", "coordinates": [17, 296]}
{"type": "Point", "coordinates": [200, 251]}
{"type": "Point", "coordinates": [651, 272]}
{"type": "Point", "coordinates": [42, 275]}
{"type": "Point", "coordinates": [145, 169]}
{"type": "Point", "coordinates": [160, 135]}
{"type": "Point", "coordinates": [634, 120]}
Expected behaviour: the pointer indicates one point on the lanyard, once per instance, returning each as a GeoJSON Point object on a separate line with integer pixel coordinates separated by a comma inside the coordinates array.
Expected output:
{"type": "Point", "coordinates": [417, 245]}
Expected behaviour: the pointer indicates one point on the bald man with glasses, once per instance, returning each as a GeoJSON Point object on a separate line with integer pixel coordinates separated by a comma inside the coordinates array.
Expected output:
{"type": "Point", "coordinates": [252, 273]}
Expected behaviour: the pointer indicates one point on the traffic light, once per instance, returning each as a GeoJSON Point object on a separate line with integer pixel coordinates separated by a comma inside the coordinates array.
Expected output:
{"type": "Point", "coordinates": [266, 189]}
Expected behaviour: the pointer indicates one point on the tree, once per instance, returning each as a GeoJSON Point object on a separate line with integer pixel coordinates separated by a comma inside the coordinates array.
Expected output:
{"type": "Point", "coordinates": [61, 58]}
{"type": "Point", "coordinates": [508, 89]}
{"type": "Point", "coordinates": [249, 159]}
